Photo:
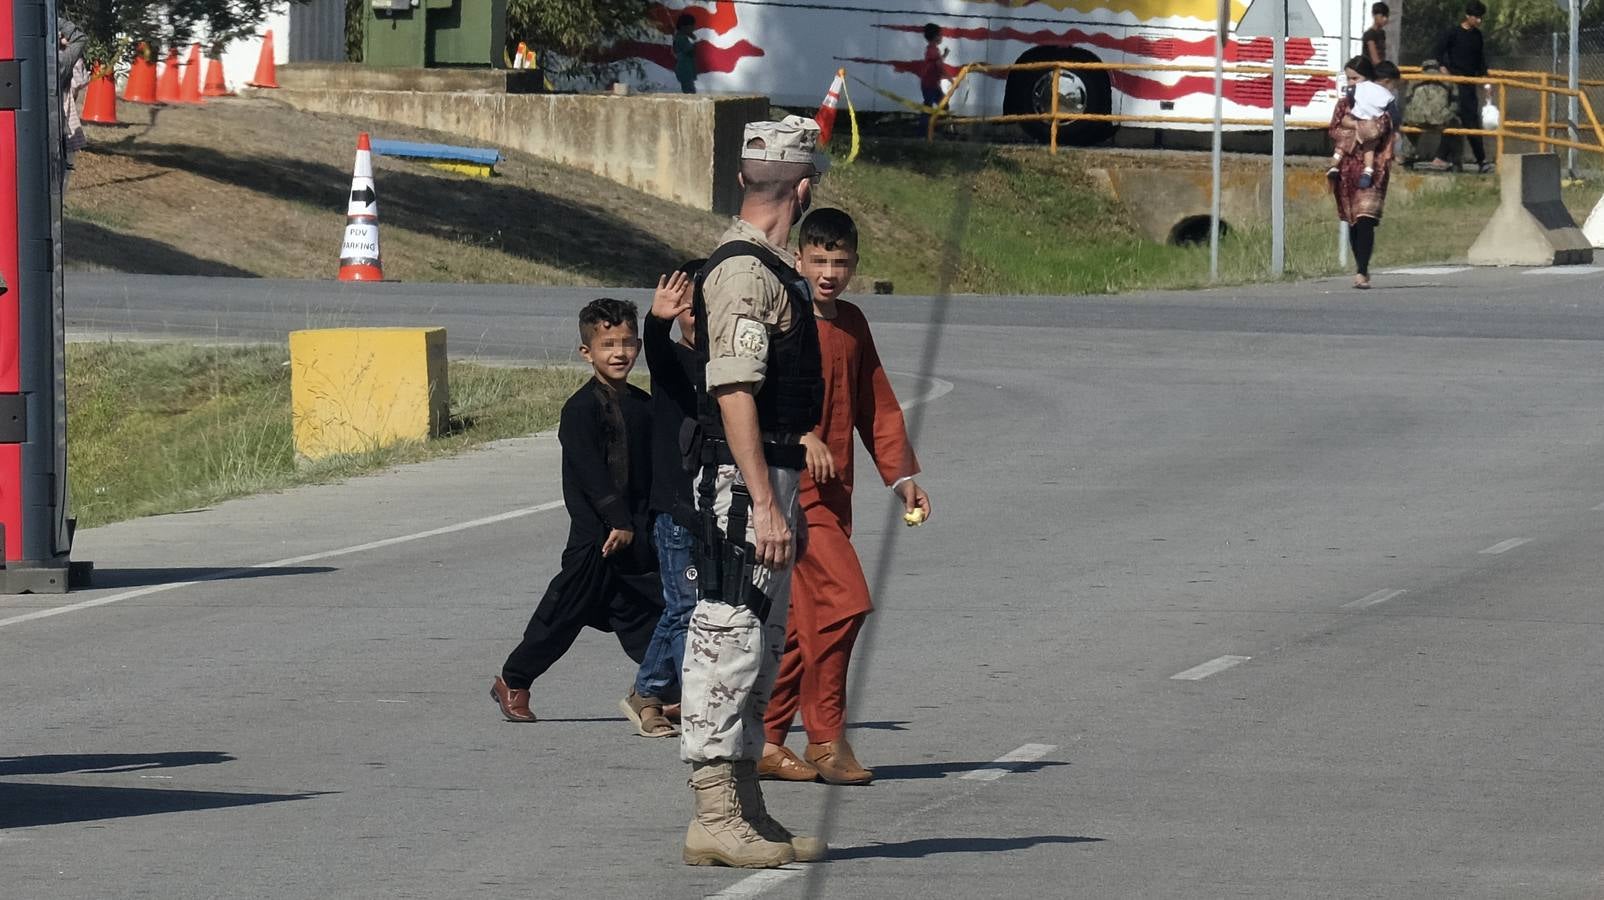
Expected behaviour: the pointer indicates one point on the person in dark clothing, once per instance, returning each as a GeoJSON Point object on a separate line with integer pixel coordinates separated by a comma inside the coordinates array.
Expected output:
{"type": "Point", "coordinates": [673, 366]}
{"type": "Point", "coordinates": [1459, 51]}
{"type": "Point", "coordinates": [1375, 39]}
{"type": "Point", "coordinates": [609, 572]}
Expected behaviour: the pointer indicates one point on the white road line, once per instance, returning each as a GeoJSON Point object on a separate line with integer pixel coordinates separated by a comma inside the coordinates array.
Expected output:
{"type": "Point", "coordinates": [753, 885]}
{"type": "Point", "coordinates": [1505, 546]}
{"type": "Point", "coordinates": [939, 388]}
{"type": "Point", "coordinates": [758, 883]}
{"type": "Point", "coordinates": [1565, 270]}
{"type": "Point", "coordinates": [1010, 762]}
{"type": "Point", "coordinates": [1427, 270]}
{"type": "Point", "coordinates": [1212, 667]}
{"type": "Point", "coordinates": [1373, 599]}
{"type": "Point", "coordinates": [1599, 508]}
{"type": "Point", "coordinates": [279, 563]}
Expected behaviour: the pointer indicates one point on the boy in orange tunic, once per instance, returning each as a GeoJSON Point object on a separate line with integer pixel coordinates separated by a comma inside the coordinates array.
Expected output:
{"type": "Point", "coordinates": [829, 595]}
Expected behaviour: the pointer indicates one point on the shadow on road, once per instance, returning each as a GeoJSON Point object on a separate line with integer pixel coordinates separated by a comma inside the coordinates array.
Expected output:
{"type": "Point", "coordinates": [127, 578]}
{"type": "Point", "coordinates": [926, 847]}
{"type": "Point", "coordinates": [62, 763]}
{"type": "Point", "coordinates": [549, 229]}
{"type": "Point", "coordinates": [33, 805]}
{"type": "Point", "coordinates": [88, 243]}
{"type": "Point", "coordinates": [943, 769]}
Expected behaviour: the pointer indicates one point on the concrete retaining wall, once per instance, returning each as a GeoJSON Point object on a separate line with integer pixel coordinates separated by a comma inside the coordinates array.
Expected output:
{"type": "Point", "coordinates": [680, 148]}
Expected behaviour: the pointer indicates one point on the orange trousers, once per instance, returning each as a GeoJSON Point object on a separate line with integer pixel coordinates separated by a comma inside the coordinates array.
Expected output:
{"type": "Point", "coordinates": [829, 602]}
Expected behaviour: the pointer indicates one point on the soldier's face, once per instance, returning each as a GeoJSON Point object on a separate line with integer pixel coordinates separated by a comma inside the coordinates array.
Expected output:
{"type": "Point", "coordinates": [829, 271]}
{"type": "Point", "coordinates": [611, 351]}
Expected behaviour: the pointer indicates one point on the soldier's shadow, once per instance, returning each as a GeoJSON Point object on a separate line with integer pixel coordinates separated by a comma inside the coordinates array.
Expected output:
{"type": "Point", "coordinates": [926, 847]}
{"type": "Point", "coordinates": [919, 771]}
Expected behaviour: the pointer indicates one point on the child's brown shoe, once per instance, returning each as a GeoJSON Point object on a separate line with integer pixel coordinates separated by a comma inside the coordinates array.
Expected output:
{"type": "Point", "coordinates": [514, 703]}
{"type": "Point", "coordinates": [783, 765]}
{"type": "Point", "coordinates": [836, 764]}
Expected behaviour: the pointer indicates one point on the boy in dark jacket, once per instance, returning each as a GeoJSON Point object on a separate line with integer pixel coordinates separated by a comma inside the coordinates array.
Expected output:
{"type": "Point", "coordinates": [609, 573]}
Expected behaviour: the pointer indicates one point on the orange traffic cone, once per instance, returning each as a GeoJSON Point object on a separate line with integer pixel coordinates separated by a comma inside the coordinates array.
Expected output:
{"type": "Point", "coordinates": [141, 87]}
{"type": "Point", "coordinates": [826, 114]}
{"type": "Point", "coordinates": [266, 69]}
{"type": "Point", "coordinates": [359, 252]}
{"type": "Point", "coordinates": [521, 58]}
{"type": "Point", "coordinates": [216, 85]}
{"type": "Point", "coordinates": [167, 87]}
{"type": "Point", "coordinates": [190, 91]}
{"type": "Point", "coordinates": [100, 101]}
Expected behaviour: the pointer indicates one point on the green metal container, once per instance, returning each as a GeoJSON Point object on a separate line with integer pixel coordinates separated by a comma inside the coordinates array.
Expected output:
{"type": "Point", "coordinates": [434, 33]}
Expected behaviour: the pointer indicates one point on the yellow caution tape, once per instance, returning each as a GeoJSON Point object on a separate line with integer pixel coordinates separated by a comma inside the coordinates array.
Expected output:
{"type": "Point", "coordinates": [904, 101]}
{"type": "Point", "coordinates": [852, 116]}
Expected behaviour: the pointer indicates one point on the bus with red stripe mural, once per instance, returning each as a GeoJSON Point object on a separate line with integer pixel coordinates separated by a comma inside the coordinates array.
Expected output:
{"type": "Point", "coordinates": [789, 49]}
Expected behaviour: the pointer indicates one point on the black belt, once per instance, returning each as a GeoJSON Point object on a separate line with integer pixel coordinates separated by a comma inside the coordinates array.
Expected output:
{"type": "Point", "coordinates": [781, 456]}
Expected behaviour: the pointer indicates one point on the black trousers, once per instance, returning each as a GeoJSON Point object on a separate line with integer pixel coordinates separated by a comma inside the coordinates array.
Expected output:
{"type": "Point", "coordinates": [612, 594]}
{"type": "Point", "coordinates": [1362, 237]}
{"type": "Point", "coordinates": [1469, 117]}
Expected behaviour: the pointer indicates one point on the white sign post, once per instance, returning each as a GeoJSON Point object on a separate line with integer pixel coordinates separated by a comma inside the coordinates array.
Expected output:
{"type": "Point", "coordinates": [1222, 25]}
{"type": "Point", "coordinates": [1278, 20]}
{"type": "Point", "coordinates": [1341, 61]}
{"type": "Point", "coordinates": [1572, 72]}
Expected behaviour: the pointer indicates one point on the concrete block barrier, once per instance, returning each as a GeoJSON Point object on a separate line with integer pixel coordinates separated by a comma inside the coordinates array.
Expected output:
{"type": "Point", "coordinates": [1531, 226]}
{"type": "Point", "coordinates": [355, 390]}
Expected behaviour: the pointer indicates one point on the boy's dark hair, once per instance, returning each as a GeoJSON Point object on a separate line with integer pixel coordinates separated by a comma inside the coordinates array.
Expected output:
{"type": "Point", "coordinates": [1380, 9]}
{"type": "Point", "coordinates": [830, 229]}
{"type": "Point", "coordinates": [932, 31]}
{"type": "Point", "coordinates": [1387, 70]}
{"type": "Point", "coordinates": [1476, 8]}
{"type": "Point", "coordinates": [609, 312]}
{"type": "Point", "coordinates": [685, 20]}
{"type": "Point", "coordinates": [1363, 65]}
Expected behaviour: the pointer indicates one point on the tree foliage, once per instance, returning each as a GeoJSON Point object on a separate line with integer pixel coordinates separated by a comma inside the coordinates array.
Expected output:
{"type": "Point", "coordinates": [572, 36]}
{"type": "Point", "coordinates": [116, 27]}
{"type": "Point", "coordinates": [1511, 27]}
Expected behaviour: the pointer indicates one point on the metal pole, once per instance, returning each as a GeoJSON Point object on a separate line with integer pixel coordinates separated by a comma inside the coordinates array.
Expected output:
{"type": "Point", "coordinates": [1572, 79]}
{"type": "Point", "coordinates": [1222, 23]}
{"type": "Point", "coordinates": [1340, 64]}
{"type": "Point", "coordinates": [1278, 154]}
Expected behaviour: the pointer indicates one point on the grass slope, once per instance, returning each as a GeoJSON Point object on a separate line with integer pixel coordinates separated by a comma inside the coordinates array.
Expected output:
{"type": "Point", "coordinates": [156, 428]}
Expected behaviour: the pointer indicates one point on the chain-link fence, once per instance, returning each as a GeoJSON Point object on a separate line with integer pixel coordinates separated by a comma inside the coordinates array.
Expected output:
{"type": "Point", "coordinates": [1550, 53]}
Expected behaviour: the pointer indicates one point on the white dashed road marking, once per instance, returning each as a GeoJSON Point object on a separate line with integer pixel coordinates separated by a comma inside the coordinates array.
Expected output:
{"type": "Point", "coordinates": [1504, 546]}
{"type": "Point", "coordinates": [1212, 667]}
{"type": "Point", "coordinates": [1011, 762]}
{"type": "Point", "coordinates": [1428, 270]}
{"type": "Point", "coordinates": [1373, 599]}
{"type": "Point", "coordinates": [760, 882]}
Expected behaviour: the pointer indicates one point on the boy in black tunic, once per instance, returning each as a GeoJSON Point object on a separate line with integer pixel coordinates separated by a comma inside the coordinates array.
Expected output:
{"type": "Point", "coordinates": [609, 572]}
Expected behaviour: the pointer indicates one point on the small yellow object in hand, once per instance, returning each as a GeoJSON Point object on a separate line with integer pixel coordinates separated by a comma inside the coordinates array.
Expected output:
{"type": "Point", "coordinates": [915, 516]}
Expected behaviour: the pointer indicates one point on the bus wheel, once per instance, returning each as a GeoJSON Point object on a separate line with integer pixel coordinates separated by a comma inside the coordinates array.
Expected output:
{"type": "Point", "coordinates": [1079, 90]}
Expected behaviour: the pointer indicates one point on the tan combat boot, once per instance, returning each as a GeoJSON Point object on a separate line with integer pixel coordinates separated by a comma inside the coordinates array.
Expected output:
{"type": "Point", "coordinates": [718, 835]}
{"type": "Point", "coordinates": [750, 795]}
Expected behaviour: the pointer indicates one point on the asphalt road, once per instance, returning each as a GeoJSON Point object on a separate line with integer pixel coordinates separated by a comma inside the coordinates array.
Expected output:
{"type": "Point", "coordinates": [1276, 592]}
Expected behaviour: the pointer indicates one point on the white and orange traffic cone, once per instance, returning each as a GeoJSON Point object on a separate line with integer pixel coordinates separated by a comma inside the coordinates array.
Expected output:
{"type": "Point", "coordinates": [521, 58]}
{"type": "Point", "coordinates": [359, 252]}
{"type": "Point", "coordinates": [826, 114]}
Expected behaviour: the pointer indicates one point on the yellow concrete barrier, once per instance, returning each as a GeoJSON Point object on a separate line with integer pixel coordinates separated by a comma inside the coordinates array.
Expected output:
{"type": "Point", "coordinates": [355, 390]}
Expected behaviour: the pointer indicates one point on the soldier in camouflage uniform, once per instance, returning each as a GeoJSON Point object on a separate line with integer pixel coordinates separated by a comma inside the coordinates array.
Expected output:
{"type": "Point", "coordinates": [1429, 106]}
{"type": "Point", "coordinates": [761, 390]}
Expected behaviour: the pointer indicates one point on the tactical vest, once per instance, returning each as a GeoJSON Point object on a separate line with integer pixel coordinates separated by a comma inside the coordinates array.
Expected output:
{"type": "Point", "coordinates": [791, 400]}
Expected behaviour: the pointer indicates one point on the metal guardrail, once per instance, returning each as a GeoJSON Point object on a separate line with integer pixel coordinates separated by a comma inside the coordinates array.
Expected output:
{"type": "Point", "coordinates": [1540, 132]}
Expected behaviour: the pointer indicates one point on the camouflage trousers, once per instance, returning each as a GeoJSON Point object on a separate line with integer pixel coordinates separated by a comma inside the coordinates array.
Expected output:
{"type": "Point", "coordinates": [731, 657]}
